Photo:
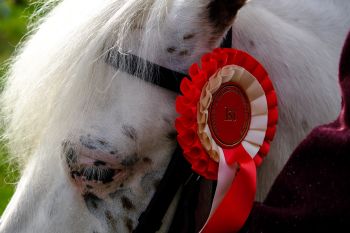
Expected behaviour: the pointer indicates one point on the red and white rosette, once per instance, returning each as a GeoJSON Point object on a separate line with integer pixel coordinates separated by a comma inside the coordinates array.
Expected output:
{"type": "Point", "coordinates": [228, 116]}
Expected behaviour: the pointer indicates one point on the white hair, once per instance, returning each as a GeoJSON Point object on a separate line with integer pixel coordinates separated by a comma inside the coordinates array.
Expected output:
{"type": "Point", "coordinates": [53, 82]}
{"type": "Point", "coordinates": [60, 88]}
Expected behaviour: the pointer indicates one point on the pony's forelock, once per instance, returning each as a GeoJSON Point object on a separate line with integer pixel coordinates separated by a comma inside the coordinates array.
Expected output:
{"type": "Point", "coordinates": [56, 66]}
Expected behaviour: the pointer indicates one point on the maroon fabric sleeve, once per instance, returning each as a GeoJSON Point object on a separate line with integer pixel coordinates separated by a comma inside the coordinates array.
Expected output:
{"type": "Point", "coordinates": [312, 193]}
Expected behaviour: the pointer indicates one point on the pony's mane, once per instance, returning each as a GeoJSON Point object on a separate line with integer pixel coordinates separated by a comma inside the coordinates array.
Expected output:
{"type": "Point", "coordinates": [56, 66]}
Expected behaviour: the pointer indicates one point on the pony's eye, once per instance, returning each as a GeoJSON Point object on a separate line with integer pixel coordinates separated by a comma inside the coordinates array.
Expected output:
{"type": "Point", "coordinates": [82, 165]}
{"type": "Point", "coordinates": [98, 174]}
{"type": "Point", "coordinates": [93, 168]}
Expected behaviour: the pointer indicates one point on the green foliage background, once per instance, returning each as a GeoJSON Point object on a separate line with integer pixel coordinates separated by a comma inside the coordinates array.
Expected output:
{"type": "Point", "coordinates": [14, 16]}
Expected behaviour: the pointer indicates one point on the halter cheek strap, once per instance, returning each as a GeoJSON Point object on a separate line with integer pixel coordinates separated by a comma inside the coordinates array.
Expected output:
{"type": "Point", "coordinates": [178, 172]}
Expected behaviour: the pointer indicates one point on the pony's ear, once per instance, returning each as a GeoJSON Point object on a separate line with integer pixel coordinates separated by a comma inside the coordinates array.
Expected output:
{"type": "Point", "coordinates": [186, 30]}
{"type": "Point", "coordinates": [344, 67]}
{"type": "Point", "coordinates": [344, 78]}
{"type": "Point", "coordinates": [221, 13]}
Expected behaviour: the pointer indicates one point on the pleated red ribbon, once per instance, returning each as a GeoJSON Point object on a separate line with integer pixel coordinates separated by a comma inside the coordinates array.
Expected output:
{"type": "Point", "coordinates": [234, 209]}
{"type": "Point", "coordinates": [236, 189]}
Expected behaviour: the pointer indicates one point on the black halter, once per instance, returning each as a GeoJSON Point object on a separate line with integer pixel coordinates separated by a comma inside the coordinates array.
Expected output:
{"type": "Point", "coordinates": [179, 171]}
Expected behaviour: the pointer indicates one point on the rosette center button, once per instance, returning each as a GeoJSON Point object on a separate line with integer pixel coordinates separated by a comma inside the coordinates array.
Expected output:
{"type": "Point", "coordinates": [229, 115]}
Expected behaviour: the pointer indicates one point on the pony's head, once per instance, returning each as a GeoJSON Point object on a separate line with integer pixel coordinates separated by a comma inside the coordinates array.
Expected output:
{"type": "Point", "coordinates": [92, 140]}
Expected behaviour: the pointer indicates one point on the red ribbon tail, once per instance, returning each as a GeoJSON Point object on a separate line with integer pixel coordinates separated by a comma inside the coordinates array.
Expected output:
{"type": "Point", "coordinates": [234, 209]}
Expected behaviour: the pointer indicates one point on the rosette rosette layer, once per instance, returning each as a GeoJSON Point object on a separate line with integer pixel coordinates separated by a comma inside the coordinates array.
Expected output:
{"type": "Point", "coordinates": [228, 117]}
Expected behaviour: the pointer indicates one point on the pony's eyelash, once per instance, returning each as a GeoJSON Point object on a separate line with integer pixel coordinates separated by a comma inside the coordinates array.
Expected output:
{"type": "Point", "coordinates": [95, 173]}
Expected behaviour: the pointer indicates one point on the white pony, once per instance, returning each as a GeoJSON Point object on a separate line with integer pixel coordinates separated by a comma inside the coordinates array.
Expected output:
{"type": "Point", "coordinates": [94, 141]}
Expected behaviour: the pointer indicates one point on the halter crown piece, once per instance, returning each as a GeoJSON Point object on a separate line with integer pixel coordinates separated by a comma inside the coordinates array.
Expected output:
{"type": "Point", "coordinates": [228, 116]}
